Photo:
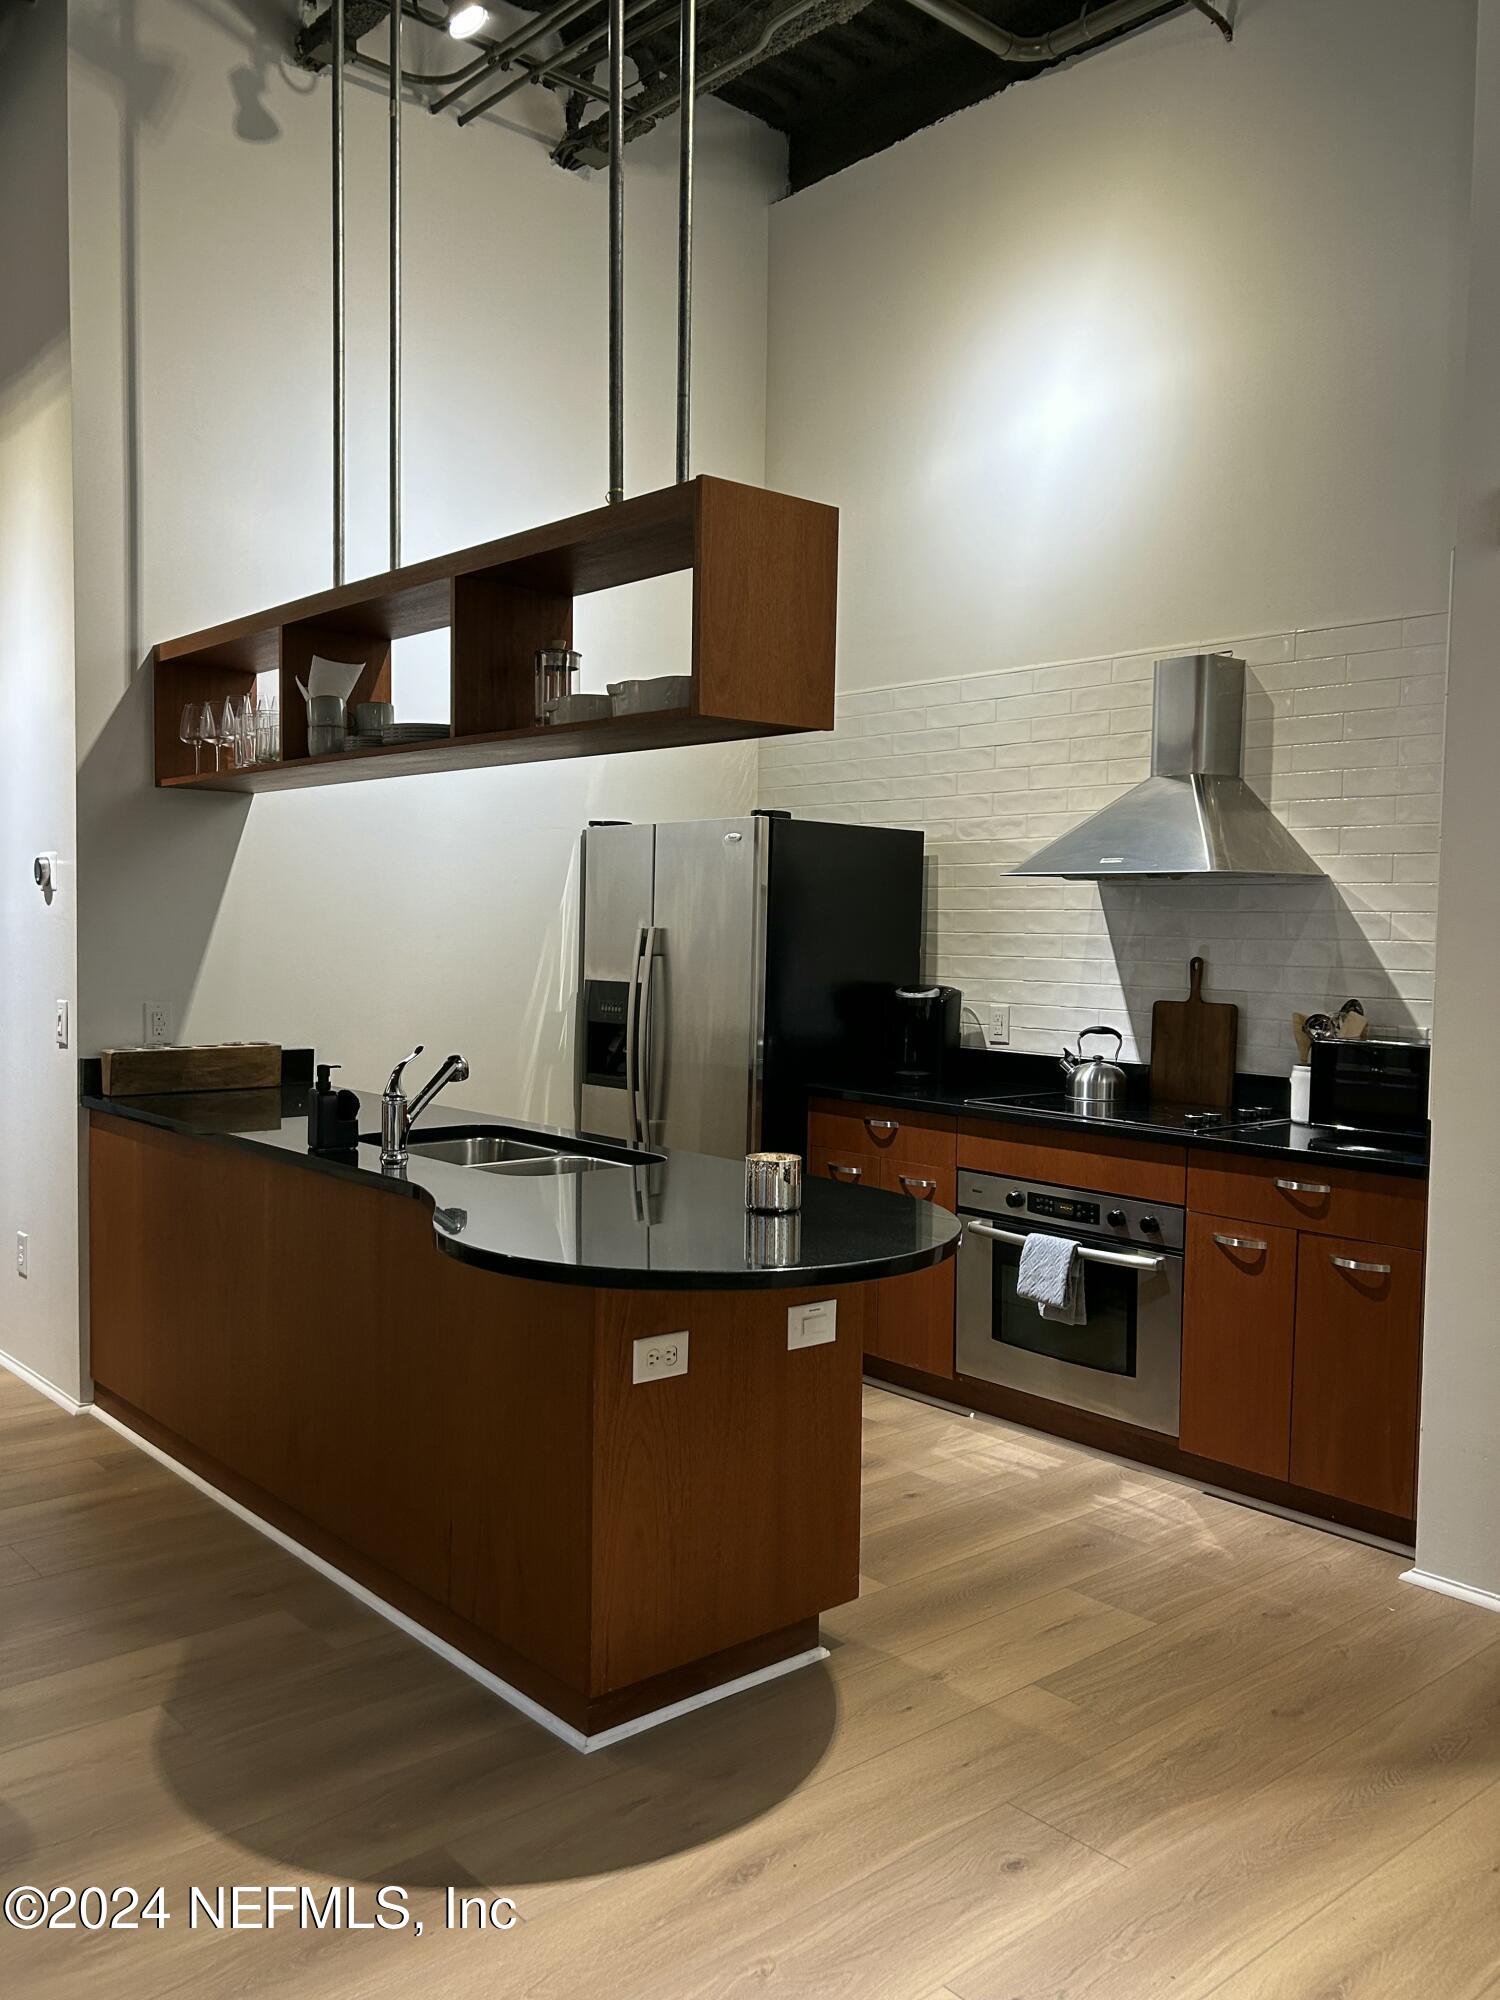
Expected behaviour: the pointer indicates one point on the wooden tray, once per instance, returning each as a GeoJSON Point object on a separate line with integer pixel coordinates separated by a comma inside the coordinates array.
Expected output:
{"type": "Point", "coordinates": [199, 1066]}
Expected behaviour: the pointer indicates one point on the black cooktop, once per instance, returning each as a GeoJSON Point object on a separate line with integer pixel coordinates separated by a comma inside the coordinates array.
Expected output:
{"type": "Point", "coordinates": [1161, 1117]}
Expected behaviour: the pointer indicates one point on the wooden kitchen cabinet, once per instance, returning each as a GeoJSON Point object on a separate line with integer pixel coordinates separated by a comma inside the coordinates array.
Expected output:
{"type": "Point", "coordinates": [908, 1320]}
{"type": "Point", "coordinates": [1357, 1372]}
{"type": "Point", "coordinates": [1239, 1310]}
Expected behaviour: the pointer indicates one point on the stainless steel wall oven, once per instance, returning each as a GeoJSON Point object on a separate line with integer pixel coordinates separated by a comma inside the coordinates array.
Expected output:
{"type": "Point", "coordinates": [1126, 1361]}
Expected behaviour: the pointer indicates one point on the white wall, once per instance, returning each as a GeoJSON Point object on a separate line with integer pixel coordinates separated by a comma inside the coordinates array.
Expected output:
{"type": "Point", "coordinates": [39, 1158]}
{"type": "Point", "coordinates": [1459, 1498]}
{"type": "Point", "coordinates": [1155, 352]}
{"type": "Point", "coordinates": [364, 918]}
{"type": "Point", "coordinates": [1158, 345]}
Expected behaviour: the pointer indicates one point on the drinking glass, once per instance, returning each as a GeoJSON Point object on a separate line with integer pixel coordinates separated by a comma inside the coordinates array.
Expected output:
{"type": "Point", "coordinates": [247, 730]}
{"type": "Point", "coordinates": [190, 730]}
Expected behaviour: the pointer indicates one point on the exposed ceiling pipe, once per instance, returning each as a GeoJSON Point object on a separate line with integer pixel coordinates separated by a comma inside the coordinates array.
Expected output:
{"type": "Point", "coordinates": [589, 148]}
{"type": "Point", "coordinates": [1114, 19]}
{"type": "Point", "coordinates": [560, 16]}
{"type": "Point", "coordinates": [559, 67]}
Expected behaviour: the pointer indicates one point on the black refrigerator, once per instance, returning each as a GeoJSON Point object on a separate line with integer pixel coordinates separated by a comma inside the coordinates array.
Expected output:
{"type": "Point", "coordinates": [725, 964]}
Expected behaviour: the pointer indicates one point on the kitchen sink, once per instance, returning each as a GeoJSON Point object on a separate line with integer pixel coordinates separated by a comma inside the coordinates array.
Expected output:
{"type": "Point", "coordinates": [498, 1153]}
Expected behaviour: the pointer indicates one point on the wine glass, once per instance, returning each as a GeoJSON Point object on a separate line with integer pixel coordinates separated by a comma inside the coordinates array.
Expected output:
{"type": "Point", "coordinates": [190, 730]}
{"type": "Point", "coordinates": [208, 730]}
{"type": "Point", "coordinates": [229, 731]}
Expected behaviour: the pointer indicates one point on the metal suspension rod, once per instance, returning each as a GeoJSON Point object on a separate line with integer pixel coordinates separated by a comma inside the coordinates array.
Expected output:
{"type": "Point", "coordinates": [338, 290]}
{"type": "Point", "coordinates": [688, 87]}
{"type": "Point", "coordinates": [616, 251]}
{"type": "Point", "coordinates": [395, 284]}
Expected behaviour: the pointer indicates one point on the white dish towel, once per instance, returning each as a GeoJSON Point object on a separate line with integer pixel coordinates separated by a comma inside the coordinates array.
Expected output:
{"type": "Point", "coordinates": [1051, 1277]}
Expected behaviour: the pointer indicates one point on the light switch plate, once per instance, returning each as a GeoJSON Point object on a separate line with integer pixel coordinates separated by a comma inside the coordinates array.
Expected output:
{"type": "Point", "coordinates": [62, 1024]}
{"type": "Point", "coordinates": [812, 1325]}
{"type": "Point", "coordinates": [658, 1355]}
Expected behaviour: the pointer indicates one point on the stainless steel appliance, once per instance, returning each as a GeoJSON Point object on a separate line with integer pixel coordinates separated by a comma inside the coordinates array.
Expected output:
{"type": "Point", "coordinates": [726, 963]}
{"type": "Point", "coordinates": [1370, 1084]}
{"type": "Point", "coordinates": [1096, 1086]}
{"type": "Point", "coordinates": [927, 1027]}
{"type": "Point", "coordinates": [1126, 1361]}
{"type": "Point", "coordinates": [1194, 815]}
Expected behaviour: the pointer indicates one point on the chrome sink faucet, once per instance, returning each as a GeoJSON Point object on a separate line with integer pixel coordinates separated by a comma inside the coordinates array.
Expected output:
{"type": "Point", "coordinates": [397, 1115]}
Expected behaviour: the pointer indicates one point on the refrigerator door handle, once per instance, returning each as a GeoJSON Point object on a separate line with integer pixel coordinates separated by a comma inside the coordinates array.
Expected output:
{"type": "Point", "coordinates": [645, 1081]}
{"type": "Point", "coordinates": [632, 1041]}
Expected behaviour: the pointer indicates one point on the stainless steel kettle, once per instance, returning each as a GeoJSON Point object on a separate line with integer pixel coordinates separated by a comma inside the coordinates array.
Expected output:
{"type": "Point", "coordinates": [1096, 1085]}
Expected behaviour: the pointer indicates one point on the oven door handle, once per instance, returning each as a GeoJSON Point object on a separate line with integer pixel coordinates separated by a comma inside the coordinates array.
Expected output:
{"type": "Point", "coordinates": [1120, 1260]}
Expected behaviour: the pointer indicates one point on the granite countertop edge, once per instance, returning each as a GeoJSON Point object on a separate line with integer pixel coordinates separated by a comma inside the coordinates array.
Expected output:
{"type": "Point", "coordinates": [954, 1103]}
{"type": "Point", "coordinates": [443, 1186]}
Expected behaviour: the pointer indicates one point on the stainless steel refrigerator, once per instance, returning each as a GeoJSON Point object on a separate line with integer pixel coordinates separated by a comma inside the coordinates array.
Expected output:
{"type": "Point", "coordinates": [725, 964]}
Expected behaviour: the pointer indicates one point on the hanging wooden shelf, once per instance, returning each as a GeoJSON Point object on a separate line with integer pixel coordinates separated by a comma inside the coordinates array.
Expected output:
{"type": "Point", "coordinates": [765, 581]}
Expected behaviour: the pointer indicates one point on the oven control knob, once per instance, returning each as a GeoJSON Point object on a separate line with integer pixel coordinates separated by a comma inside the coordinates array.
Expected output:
{"type": "Point", "coordinates": [1015, 1199]}
{"type": "Point", "coordinates": [1116, 1218]}
{"type": "Point", "coordinates": [1150, 1225]}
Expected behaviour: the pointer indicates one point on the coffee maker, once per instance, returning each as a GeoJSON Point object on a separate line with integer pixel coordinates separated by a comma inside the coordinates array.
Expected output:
{"type": "Point", "coordinates": [925, 1030]}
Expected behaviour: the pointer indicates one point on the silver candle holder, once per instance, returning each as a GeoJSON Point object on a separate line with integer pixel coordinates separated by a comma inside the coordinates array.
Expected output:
{"type": "Point", "coordinates": [773, 1183]}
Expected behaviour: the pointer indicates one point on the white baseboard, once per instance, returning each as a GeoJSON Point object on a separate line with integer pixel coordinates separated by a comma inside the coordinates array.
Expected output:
{"type": "Point", "coordinates": [40, 1383]}
{"type": "Point", "coordinates": [554, 1724]}
{"type": "Point", "coordinates": [1446, 1586]}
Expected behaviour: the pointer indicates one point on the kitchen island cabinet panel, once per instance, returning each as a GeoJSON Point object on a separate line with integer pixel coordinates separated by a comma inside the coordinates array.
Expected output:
{"type": "Point", "coordinates": [701, 1481]}
{"type": "Point", "coordinates": [1358, 1372]}
{"type": "Point", "coordinates": [1239, 1308]}
{"type": "Point", "coordinates": [470, 1446]}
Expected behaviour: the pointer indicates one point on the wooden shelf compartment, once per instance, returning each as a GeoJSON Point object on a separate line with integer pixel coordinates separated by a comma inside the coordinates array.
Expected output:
{"type": "Point", "coordinates": [764, 568]}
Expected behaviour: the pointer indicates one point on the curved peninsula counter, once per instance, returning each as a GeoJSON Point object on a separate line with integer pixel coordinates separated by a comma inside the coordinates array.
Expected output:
{"type": "Point", "coordinates": [572, 1420]}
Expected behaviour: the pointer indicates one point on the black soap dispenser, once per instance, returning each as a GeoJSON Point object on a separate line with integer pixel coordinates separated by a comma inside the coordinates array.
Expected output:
{"type": "Point", "coordinates": [332, 1116]}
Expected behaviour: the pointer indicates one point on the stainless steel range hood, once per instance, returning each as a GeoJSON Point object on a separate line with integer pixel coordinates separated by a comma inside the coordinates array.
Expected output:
{"type": "Point", "coordinates": [1194, 815]}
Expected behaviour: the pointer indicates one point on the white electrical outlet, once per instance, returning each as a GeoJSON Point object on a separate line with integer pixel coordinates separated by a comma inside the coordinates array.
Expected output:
{"type": "Point", "coordinates": [62, 1024]}
{"type": "Point", "coordinates": [814, 1325]}
{"type": "Point", "coordinates": [23, 1254]}
{"type": "Point", "coordinates": [997, 1032]}
{"type": "Point", "coordinates": [658, 1355]}
{"type": "Point", "coordinates": [157, 1024]}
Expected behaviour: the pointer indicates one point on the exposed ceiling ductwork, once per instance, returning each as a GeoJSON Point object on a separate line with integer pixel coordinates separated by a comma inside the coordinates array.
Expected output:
{"type": "Point", "coordinates": [841, 78]}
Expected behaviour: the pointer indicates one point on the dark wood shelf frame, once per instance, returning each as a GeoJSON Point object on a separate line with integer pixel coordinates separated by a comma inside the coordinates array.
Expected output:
{"type": "Point", "coordinates": [765, 586]}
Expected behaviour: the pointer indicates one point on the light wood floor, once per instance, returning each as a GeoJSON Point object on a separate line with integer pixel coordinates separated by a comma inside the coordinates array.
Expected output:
{"type": "Point", "coordinates": [1087, 1733]}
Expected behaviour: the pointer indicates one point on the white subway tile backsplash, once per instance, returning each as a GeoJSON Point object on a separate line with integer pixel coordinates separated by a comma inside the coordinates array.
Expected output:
{"type": "Point", "coordinates": [1371, 638]}
{"type": "Point", "coordinates": [1344, 737]}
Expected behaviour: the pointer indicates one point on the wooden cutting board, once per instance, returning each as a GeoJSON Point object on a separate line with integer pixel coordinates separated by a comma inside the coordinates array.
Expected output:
{"type": "Point", "coordinates": [1193, 1046]}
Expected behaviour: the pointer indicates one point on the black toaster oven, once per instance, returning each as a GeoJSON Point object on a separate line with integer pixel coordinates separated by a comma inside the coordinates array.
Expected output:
{"type": "Point", "coordinates": [1375, 1084]}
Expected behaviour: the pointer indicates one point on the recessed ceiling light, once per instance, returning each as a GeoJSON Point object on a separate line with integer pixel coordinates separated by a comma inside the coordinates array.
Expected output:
{"type": "Point", "coordinates": [465, 18]}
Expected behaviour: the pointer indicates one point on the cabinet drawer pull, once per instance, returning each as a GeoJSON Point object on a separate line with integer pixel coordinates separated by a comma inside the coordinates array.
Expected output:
{"type": "Point", "coordinates": [1241, 1242]}
{"type": "Point", "coordinates": [854, 1173]}
{"type": "Point", "coordinates": [883, 1124]}
{"type": "Point", "coordinates": [909, 1182]}
{"type": "Point", "coordinates": [1353, 1264]}
{"type": "Point", "coordinates": [1303, 1187]}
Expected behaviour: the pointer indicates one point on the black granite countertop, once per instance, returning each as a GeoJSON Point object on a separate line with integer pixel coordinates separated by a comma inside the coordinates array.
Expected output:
{"type": "Point", "coordinates": [672, 1221]}
{"type": "Point", "coordinates": [1279, 1139]}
